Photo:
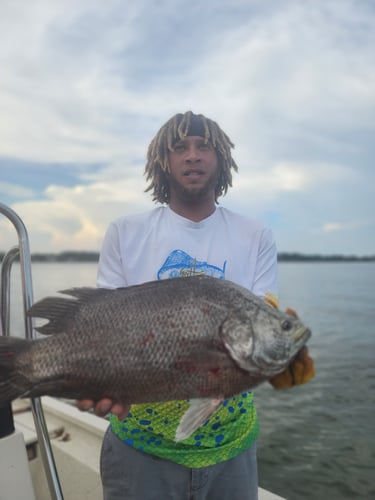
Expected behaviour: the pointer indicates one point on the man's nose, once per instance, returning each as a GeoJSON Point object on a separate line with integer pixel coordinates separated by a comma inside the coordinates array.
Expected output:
{"type": "Point", "coordinates": [192, 154]}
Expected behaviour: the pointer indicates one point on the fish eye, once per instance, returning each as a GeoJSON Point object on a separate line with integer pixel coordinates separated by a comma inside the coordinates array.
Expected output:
{"type": "Point", "coordinates": [286, 325]}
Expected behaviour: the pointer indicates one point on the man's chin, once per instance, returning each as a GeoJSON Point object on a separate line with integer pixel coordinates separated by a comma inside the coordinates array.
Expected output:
{"type": "Point", "coordinates": [194, 193]}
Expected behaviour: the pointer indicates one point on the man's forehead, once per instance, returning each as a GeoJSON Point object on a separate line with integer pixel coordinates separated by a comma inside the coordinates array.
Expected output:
{"type": "Point", "coordinates": [191, 139]}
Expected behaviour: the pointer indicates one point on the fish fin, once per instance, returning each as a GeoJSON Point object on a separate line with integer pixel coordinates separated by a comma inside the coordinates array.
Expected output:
{"type": "Point", "coordinates": [59, 311]}
{"type": "Point", "coordinates": [196, 415]}
{"type": "Point", "coordinates": [86, 293]}
{"type": "Point", "coordinates": [12, 383]}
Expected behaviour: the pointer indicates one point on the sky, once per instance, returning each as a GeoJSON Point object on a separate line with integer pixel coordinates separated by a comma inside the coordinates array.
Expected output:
{"type": "Point", "coordinates": [86, 84]}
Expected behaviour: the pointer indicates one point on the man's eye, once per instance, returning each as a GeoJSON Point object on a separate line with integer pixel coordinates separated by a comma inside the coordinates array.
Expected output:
{"type": "Point", "coordinates": [178, 148]}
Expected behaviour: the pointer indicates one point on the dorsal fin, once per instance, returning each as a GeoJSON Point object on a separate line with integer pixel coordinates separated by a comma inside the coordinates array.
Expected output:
{"type": "Point", "coordinates": [59, 311]}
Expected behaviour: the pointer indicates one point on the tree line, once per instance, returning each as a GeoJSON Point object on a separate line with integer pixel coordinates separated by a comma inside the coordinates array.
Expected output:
{"type": "Point", "coordinates": [79, 256]}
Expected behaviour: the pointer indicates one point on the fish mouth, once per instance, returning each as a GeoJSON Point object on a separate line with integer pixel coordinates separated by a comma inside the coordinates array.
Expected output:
{"type": "Point", "coordinates": [302, 334]}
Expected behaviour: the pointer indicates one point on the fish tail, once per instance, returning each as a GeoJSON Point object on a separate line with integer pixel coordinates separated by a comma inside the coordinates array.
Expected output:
{"type": "Point", "coordinates": [12, 383]}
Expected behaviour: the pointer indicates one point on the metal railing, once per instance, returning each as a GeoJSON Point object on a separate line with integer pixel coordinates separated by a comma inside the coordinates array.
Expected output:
{"type": "Point", "coordinates": [23, 250]}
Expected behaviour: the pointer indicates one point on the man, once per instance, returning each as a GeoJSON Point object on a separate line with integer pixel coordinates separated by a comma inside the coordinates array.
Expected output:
{"type": "Point", "coordinates": [189, 166]}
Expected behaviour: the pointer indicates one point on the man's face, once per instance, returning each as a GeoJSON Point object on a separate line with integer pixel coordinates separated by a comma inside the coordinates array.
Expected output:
{"type": "Point", "coordinates": [193, 169]}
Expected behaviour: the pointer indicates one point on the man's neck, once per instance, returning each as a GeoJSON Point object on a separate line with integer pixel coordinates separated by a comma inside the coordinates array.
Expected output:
{"type": "Point", "coordinates": [194, 210]}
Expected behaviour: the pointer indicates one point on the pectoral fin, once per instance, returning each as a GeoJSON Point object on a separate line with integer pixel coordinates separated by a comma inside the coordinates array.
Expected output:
{"type": "Point", "coordinates": [196, 415]}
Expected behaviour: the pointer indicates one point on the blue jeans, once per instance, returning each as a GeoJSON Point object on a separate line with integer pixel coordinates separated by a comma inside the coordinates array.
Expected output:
{"type": "Point", "coordinates": [129, 474]}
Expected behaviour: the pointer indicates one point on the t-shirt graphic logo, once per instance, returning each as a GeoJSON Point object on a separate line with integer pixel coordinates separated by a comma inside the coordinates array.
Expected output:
{"type": "Point", "coordinates": [179, 264]}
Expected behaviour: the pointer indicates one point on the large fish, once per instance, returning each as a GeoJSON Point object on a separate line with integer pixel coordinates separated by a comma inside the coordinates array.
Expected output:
{"type": "Point", "coordinates": [197, 338]}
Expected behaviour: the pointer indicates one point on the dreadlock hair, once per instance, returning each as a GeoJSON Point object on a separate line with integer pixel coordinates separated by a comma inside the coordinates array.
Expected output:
{"type": "Point", "coordinates": [176, 128]}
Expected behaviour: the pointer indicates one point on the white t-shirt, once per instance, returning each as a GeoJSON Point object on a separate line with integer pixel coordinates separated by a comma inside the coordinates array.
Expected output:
{"type": "Point", "coordinates": [161, 244]}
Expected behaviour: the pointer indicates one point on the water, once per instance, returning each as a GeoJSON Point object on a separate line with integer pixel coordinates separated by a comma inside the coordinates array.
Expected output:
{"type": "Point", "coordinates": [317, 441]}
{"type": "Point", "coordinates": [48, 279]}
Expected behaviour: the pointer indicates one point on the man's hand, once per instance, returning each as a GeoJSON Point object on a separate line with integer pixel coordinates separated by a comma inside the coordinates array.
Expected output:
{"type": "Point", "coordinates": [300, 371]}
{"type": "Point", "coordinates": [104, 406]}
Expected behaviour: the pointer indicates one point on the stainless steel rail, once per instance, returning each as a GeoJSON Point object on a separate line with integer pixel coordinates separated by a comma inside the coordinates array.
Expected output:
{"type": "Point", "coordinates": [23, 250]}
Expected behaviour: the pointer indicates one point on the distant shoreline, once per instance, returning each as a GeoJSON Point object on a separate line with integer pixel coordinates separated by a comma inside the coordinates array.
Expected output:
{"type": "Point", "coordinates": [299, 257]}
{"type": "Point", "coordinates": [71, 256]}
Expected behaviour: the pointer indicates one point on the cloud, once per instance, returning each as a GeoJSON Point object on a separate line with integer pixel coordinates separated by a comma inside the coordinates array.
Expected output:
{"type": "Point", "coordinates": [14, 190]}
{"type": "Point", "coordinates": [288, 178]}
{"type": "Point", "coordinates": [85, 85]}
{"type": "Point", "coordinates": [348, 226]}
{"type": "Point", "coordinates": [329, 227]}
{"type": "Point", "coordinates": [76, 218]}
{"type": "Point", "coordinates": [81, 83]}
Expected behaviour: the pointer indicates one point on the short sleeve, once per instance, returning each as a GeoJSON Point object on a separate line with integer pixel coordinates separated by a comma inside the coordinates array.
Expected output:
{"type": "Point", "coordinates": [110, 270]}
{"type": "Point", "coordinates": [266, 275]}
